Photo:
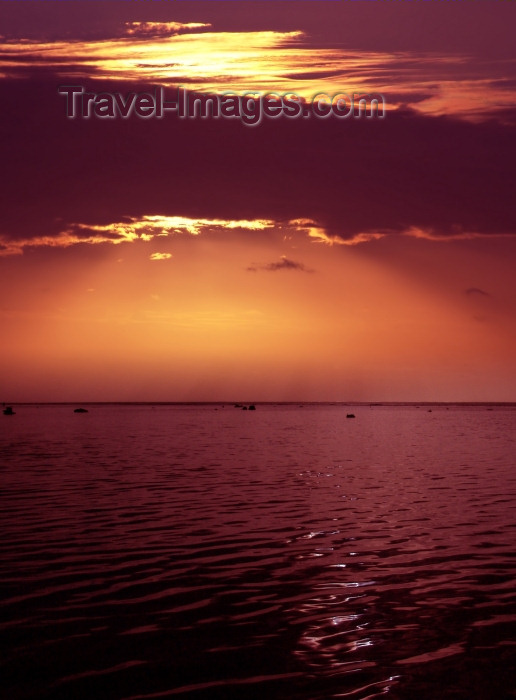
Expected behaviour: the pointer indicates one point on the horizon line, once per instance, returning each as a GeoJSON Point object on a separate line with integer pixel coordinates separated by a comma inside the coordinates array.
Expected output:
{"type": "Point", "coordinates": [260, 403]}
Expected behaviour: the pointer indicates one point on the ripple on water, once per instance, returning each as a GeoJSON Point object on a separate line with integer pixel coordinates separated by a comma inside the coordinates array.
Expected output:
{"type": "Point", "coordinates": [291, 554]}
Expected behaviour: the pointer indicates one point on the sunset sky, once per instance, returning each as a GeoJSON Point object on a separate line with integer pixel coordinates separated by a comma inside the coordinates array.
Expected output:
{"type": "Point", "coordinates": [295, 260]}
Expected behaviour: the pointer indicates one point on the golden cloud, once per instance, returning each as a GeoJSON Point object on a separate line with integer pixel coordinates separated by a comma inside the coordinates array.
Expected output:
{"type": "Point", "coordinates": [189, 54]}
{"type": "Point", "coordinates": [160, 256]}
{"type": "Point", "coordinates": [146, 29]}
{"type": "Point", "coordinates": [150, 227]}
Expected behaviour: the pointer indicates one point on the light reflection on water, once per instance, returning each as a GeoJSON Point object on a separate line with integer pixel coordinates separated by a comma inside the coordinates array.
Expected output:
{"type": "Point", "coordinates": [154, 552]}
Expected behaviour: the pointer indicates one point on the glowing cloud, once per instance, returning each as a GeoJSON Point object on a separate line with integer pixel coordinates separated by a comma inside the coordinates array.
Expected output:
{"type": "Point", "coordinates": [319, 235]}
{"type": "Point", "coordinates": [458, 234]}
{"type": "Point", "coordinates": [160, 256]}
{"type": "Point", "coordinates": [189, 54]}
{"type": "Point", "coordinates": [156, 225]}
{"type": "Point", "coordinates": [149, 227]}
{"type": "Point", "coordinates": [156, 29]}
{"type": "Point", "coordinates": [144, 229]}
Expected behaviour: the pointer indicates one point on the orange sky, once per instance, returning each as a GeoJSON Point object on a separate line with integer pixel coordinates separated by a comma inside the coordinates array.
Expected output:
{"type": "Point", "coordinates": [115, 325]}
{"type": "Point", "coordinates": [289, 263]}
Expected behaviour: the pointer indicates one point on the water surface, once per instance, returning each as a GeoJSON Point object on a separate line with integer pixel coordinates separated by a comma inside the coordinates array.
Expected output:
{"type": "Point", "coordinates": [210, 552]}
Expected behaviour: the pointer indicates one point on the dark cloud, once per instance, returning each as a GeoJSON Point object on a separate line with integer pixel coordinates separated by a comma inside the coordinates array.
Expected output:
{"type": "Point", "coordinates": [283, 264]}
{"type": "Point", "coordinates": [475, 291]}
{"type": "Point", "coordinates": [314, 74]}
{"type": "Point", "coordinates": [435, 174]}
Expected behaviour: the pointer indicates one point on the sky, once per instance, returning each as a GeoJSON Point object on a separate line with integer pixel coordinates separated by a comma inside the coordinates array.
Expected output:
{"type": "Point", "coordinates": [297, 259]}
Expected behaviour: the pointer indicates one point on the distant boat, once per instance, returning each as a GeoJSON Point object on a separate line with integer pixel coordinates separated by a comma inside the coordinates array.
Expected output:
{"type": "Point", "coordinates": [252, 407]}
{"type": "Point", "coordinates": [80, 410]}
{"type": "Point", "coordinates": [8, 411]}
{"type": "Point", "coordinates": [350, 415]}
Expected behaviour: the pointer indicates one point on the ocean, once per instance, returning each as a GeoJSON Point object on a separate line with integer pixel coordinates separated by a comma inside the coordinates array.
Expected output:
{"type": "Point", "coordinates": [205, 551]}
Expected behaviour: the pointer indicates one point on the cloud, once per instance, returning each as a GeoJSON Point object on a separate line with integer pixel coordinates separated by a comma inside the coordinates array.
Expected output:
{"type": "Point", "coordinates": [283, 264]}
{"type": "Point", "coordinates": [161, 29]}
{"type": "Point", "coordinates": [319, 235]}
{"type": "Point", "coordinates": [452, 233]}
{"type": "Point", "coordinates": [191, 54]}
{"type": "Point", "coordinates": [160, 256]}
{"type": "Point", "coordinates": [482, 303]}
{"type": "Point", "coordinates": [475, 291]}
{"type": "Point", "coordinates": [129, 230]}
{"type": "Point", "coordinates": [433, 178]}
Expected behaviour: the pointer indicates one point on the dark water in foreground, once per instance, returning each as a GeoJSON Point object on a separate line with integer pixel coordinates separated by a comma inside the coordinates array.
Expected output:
{"type": "Point", "coordinates": [282, 553]}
